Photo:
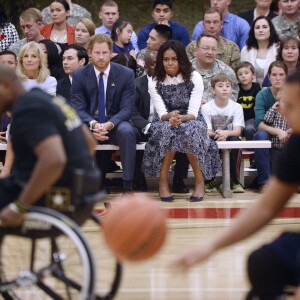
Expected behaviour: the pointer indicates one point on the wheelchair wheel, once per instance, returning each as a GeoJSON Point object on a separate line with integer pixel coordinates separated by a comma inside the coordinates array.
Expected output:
{"type": "Point", "coordinates": [47, 258]}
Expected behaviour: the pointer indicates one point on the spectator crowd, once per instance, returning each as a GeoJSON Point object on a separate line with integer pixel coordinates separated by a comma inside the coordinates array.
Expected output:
{"type": "Point", "coordinates": [179, 95]}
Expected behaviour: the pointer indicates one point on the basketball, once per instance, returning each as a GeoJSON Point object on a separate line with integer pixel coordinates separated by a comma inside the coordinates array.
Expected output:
{"type": "Point", "coordinates": [135, 228]}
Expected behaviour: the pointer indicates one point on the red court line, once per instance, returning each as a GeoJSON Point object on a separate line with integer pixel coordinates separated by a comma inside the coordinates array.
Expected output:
{"type": "Point", "coordinates": [219, 213]}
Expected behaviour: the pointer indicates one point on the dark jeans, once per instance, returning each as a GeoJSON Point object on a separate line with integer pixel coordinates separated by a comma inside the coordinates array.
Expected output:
{"type": "Point", "coordinates": [249, 129]}
{"type": "Point", "coordinates": [262, 158]}
{"type": "Point", "coordinates": [274, 266]}
{"type": "Point", "coordinates": [235, 159]}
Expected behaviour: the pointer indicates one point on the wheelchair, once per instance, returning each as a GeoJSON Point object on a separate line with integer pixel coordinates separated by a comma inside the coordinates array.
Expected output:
{"type": "Point", "coordinates": [49, 257]}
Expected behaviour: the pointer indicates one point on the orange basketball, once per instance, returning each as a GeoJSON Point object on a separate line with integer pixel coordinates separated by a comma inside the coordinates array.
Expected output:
{"type": "Point", "coordinates": [135, 227]}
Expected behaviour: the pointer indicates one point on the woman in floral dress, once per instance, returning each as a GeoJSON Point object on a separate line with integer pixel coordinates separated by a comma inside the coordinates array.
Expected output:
{"type": "Point", "coordinates": [178, 126]}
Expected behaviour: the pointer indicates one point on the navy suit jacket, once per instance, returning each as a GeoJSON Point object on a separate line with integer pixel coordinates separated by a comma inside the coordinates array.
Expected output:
{"type": "Point", "coordinates": [141, 109]}
{"type": "Point", "coordinates": [64, 87]}
{"type": "Point", "coordinates": [120, 93]}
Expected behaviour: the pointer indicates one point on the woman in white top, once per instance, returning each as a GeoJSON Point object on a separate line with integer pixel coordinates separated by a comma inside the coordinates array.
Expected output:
{"type": "Point", "coordinates": [261, 46]}
{"type": "Point", "coordinates": [178, 126]}
{"type": "Point", "coordinates": [32, 68]}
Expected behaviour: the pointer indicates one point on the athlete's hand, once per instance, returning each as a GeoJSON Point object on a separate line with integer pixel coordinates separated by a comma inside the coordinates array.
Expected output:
{"type": "Point", "coordinates": [190, 258]}
{"type": "Point", "coordinates": [10, 218]}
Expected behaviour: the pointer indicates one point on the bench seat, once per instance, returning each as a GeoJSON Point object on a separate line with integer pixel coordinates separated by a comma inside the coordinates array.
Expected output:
{"type": "Point", "coordinates": [225, 146]}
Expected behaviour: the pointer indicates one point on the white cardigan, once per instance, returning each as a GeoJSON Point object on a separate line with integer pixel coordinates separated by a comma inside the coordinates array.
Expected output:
{"type": "Point", "coordinates": [196, 95]}
{"type": "Point", "coordinates": [251, 55]}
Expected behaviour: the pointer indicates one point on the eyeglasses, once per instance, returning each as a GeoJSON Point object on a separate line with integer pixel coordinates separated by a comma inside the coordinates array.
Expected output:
{"type": "Point", "coordinates": [207, 49]}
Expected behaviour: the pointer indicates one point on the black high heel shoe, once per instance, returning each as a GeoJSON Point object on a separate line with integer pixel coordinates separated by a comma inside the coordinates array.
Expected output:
{"type": "Point", "coordinates": [196, 198]}
{"type": "Point", "coordinates": [166, 199]}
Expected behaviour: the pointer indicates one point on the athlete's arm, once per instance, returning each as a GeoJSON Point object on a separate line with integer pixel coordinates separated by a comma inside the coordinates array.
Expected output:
{"type": "Point", "coordinates": [51, 160]}
{"type": "Point", "coordinates": [265, 208]}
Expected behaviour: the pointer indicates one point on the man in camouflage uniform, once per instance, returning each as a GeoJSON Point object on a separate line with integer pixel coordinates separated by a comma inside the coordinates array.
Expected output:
{"type": "Point", "coordinates": [76, 13]}
{"type": "Point", "coordinates": [31, 24]}
{"type": "Point", "coordinates": [288, 24]}
{"type": "Point", "coordinates": [207, 65]}
{"type": "Point", "coordinates": [228, 51]}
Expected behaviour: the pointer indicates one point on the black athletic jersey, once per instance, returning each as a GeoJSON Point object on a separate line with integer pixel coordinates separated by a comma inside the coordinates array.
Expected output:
{"type": "Point", "coordinates": [288, 166]}
{"type": "Point", "coordinates": [247, 100]}
{"type": "Point", "coordinates": [37, 116]}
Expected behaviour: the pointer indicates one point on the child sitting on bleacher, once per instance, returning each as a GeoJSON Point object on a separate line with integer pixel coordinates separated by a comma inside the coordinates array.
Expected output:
{"type": "Point", "coordinates": [245, 74]}
{"type": "Point", "coordinates": [225, 120]}
{"type": "Point", "coordinates": [274, 119]}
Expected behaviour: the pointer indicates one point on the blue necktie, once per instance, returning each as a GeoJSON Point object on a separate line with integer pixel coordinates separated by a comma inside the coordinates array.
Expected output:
{"type": "Point", "coordinates": [101, 100]}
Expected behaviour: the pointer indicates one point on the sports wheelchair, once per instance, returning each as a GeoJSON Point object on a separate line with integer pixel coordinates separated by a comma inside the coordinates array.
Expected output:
{"type": "Point", "coordinates": [49, 257]}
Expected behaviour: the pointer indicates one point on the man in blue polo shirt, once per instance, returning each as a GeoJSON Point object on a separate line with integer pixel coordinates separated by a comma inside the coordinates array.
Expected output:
{"type": "Point", "coordinates": [234, 28]}
{"type": "Point", "coordinates": [162, 14]}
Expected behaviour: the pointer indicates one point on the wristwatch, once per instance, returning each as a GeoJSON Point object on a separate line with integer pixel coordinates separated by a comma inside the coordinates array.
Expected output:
{"type": "Point", "coordinates": [92, 124]}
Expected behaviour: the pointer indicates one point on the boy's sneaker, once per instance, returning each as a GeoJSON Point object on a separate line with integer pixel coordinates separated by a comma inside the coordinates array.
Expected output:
{"type": "Point", "coordinates": [236, 187]}
{"type": "Point", "coordinates": [210, 187]}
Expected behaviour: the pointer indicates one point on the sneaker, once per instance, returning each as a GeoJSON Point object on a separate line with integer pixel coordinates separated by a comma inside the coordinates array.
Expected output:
{"type": "Point", "coordinates": [236, 187]}
{"type": "Point", "coordinates": [210, 187]}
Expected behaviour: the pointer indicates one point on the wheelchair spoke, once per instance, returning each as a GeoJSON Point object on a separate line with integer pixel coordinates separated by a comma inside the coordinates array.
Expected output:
{"type": "Point", "coordinates": [49, 291]}
{"type": "Point", "coordinates": [59, 259]}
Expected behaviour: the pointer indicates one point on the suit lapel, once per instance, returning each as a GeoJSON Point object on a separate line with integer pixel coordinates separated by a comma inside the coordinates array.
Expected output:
{"type": "Point", "coordinates": [146, 97]}
{"type": "Point", "coordinates": [111, 86]}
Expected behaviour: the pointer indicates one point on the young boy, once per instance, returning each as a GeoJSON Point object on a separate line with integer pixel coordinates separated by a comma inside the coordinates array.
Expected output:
{"type": "Point", "coordinates": [275, 265]}
{"type": "Point", "coordinates": [275, 119]}
{"type": "Point", "coordinates": [245, 74]}
{"type": "Point", "coordinates": [225, 120]}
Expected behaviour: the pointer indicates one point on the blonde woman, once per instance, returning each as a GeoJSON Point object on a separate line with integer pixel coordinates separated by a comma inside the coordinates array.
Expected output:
{"type": "Point", "coordinates": [32, 69]}
{"type": "Point", "coordinates": [84, 29]}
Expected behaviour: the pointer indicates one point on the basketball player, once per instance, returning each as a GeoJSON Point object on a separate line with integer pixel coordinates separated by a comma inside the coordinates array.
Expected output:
{"type": "Point", "coordinates": [275, 265]}
{"type": "Point", "coordinates": [49, 141]}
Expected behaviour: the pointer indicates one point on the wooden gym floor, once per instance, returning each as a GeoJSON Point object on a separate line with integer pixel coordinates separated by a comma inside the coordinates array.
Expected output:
{"type": "Point", "coordinates": [223, 276]}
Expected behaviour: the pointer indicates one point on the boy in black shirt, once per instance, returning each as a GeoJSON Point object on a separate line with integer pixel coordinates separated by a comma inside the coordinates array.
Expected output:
{"type": "Point", "coordinates": [49, 142]}
{"type": "Point", "coordinates": [277, 264]}
{"type": "Point", "coordinates": [245, 74]}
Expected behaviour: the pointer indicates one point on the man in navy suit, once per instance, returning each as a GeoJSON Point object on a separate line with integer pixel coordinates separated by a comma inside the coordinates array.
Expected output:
{"type": "Point", "coordinates": [74, 57]}
{"type": "Point", "coordinates": [119, 96]}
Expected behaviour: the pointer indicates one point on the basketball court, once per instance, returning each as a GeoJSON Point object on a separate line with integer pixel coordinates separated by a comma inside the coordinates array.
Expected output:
{"type": "Point", "coordinates": [222, 277]}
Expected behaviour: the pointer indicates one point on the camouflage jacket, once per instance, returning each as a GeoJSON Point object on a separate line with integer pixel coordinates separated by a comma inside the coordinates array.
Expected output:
{"type": "Point", "coordinates": [285, 27]}
{"type": "Point", "coordinates": [228, 52]}
{"type": "Point", "coordinates": [218, 67]}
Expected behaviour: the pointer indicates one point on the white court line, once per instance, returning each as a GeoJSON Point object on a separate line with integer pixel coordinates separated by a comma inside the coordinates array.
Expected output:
{"type": "Point", "coordinates": [139, 290]}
